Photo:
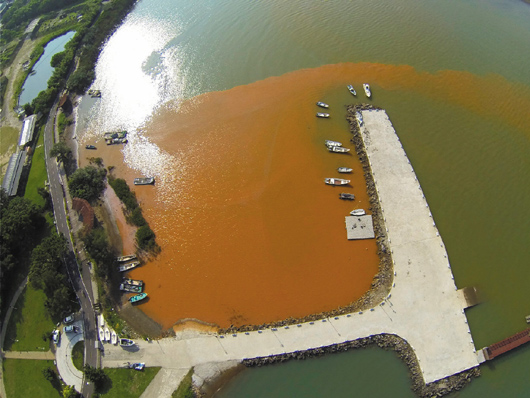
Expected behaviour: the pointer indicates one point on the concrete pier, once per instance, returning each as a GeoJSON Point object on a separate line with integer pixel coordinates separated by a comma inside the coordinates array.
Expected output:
{"type": "Point", "coordinates": [424, 307]}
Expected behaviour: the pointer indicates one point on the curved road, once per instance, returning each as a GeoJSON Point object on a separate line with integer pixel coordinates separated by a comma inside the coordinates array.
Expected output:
{"type": "Point", "coordinates": [81, 281]}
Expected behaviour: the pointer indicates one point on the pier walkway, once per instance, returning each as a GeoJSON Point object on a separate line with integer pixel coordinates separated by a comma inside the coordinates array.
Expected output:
{"type": "Point", "coordinates": [424, 307]}
{"type": "Point", "coordinates": [508, 344]}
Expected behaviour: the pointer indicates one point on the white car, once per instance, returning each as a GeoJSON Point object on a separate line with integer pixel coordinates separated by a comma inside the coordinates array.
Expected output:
{"type": "Point", "coordinates": [56, 336]}
{"type": "Point", "coordinates": [72, 329]}
{"type": "Point", "coordinates": [69, 319]}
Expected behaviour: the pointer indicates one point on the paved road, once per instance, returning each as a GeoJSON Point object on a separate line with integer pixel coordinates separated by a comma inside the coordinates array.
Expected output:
{"type": "Point", "coordinates": [81, 283]}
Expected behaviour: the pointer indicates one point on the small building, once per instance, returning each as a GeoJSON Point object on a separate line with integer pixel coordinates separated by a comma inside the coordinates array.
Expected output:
{"type": "Point", "coordinates": [14, 171]}
{"type": "Point", "coordinates": [27, 130]}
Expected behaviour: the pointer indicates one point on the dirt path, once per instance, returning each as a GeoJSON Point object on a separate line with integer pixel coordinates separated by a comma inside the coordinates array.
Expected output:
{"type": "Point", "coordinates": [38, 355]}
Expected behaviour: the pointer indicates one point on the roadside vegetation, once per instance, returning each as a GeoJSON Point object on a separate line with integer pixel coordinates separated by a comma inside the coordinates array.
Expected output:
{"type": "Point", "coordinates": [185, 388]}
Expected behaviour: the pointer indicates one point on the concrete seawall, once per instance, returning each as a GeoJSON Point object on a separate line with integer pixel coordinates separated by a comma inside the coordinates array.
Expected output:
{"type": "Point", "coordinates": [423, 308]}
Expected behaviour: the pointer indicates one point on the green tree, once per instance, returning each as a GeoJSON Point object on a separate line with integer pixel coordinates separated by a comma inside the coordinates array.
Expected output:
{"type": "Point", "coordinates": [61, 151]}
{"type": "Point", "coordinates": [87, 183]}
{"type": "Point", "coordinates": [96, 376]}
{"type": "Point", "coordinates": [49, 374]}
{"type": "Point", "coordinates": [69, 392]}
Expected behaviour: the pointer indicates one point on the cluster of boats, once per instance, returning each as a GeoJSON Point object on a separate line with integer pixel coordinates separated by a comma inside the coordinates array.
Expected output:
{"type": "Point", "coordinates": [94, 93]}
{"type": "Point", "coordinates": [130, 285]}
{"type": "Point", "coordinates": [118, 137]}
{"type": "Point", "coordinates": [366, 88]}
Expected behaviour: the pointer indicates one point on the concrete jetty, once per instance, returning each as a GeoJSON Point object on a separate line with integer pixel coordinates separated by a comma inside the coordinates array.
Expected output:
{"type": "Point", "coordinates": [424, 306]}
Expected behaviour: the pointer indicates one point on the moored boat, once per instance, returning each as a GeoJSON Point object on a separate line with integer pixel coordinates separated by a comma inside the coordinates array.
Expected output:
{"type": "Point", "coordinates": [113, 337]}
{"type": "Point", "coordinates": [344, 170]}
{"type": "Point", "coordinates": [124, 259]}
{"type": "Point", "coordinates": [144, 181]}
{"type": "Point", "coordinates": [333, 143]}
{"type": "Point", "coordinates": [107, 334]}
{"type": "Point", "coordinates": [346, 196]}
{"type": "Point", "coordinates": [338, 149]}
{"type": "Point", "coordinates": [367, 91]}
{"type": "Point", "coordinates": [138, 297]}
{"type": "Point", "coordinates": [126, 342]}
{"type": "Point", "coordinates": [128, 266]}
{"type": "Point", "coordinates": [351, 89]}
{"type": "Point", "coordinates": [101, 334]}
{"type": "Point", "coordinates": [124, 287]}
{"type": "Point", "coordinates": [133, 282]}
{"type": "Point", "coordinates": [336, 181]}
{"type": "Point", "coordinates": [358, 212]}
{"type": "Point", "coordinates": [322, 104]}
{"type": "Point", "coordinates": [322, 114]}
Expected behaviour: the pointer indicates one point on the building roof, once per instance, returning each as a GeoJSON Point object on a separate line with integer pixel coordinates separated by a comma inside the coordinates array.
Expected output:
{"type": "Point", "coordinates": [14, 170]}
{"type": "Point", "coordinates": [26, 133]}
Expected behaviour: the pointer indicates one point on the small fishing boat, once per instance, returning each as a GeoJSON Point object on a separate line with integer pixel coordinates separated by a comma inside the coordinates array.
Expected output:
{"type": "Point", "coordinates": [367, 91]}
{"type": "Point", "coordinates": [101, 334]}
{"type": "Point", "coordinates": [322, 104]}
{"type": "Point", "coordinates": [113, 337]}
{"type": "Point", "coordinates": [321, 114]}
{"type": "Point", "coordinates": [138, 297]}
{"type": "Point", "coordinates": [133, 282]}
{"type": "Point", "coordinates": [124, 287]}
{"type": "Point", "coordinates": [144, 181]}
{"type": "Point", "coordinates": [336, 181]}
{"type": "Point", "coordinates": [333, 143]}
{"type": "Point", "coordinates": [358, 212]}
{"type": "Point", "coordinates": [124, 259]}
{"type": "Point", "coordinates": [346, 196]}
{"type": "Point", "coordinates": [344, 170]}
{"type": "Point", "coordinates": [338, 149]}
{"type": "Point", "coordinates": [126, 342]}
{"type": "Point", "coordinates": [90, 147]}
{"type": "Point", "coordinates": [128, 266]}
{"type": "Point", "coordinates": [351, 89]}
{"type": "Point", "coordinates": [528, 319]}
{"type": "Point", "coordinates": [107, 334]}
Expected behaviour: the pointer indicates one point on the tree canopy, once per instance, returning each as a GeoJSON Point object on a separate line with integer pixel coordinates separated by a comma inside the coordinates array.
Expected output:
{"type": "Point", "coordinates": [87, 183]}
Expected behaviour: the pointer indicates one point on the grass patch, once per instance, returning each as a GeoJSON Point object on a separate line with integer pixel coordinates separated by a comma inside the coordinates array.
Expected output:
{"type": "Point", "coordinates": [184, 389]}
{"type": "Point", "coordinates": [9, 137]}
{"type": "Point", "coordinates": [29, 323]}
{"type": "Point", "coordinates": [23, 378]}
{"type": "Point", "coordinates": [78, 355]}
{"type": "Point", "coordinates": [128, 383]}
{"type": "Point", "coordinates": [37, 175]}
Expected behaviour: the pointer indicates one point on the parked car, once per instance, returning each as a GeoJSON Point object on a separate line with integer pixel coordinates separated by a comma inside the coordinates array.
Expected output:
{"type": "Point", "coordinates": [71, 329]}
{"type": "Point", "coordinates": [56, 336]}
{"type": "Point", "coordinates": [69, 319]}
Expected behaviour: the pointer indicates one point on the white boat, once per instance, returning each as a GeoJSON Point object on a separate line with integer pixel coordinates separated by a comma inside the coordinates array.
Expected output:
{"type": "Point", "coordinates": [358, 212]}
{"type": "Point", "coordinates": [144, 181]}
{"type": "Point", "coordinates": [113, 337]}
{"type": "Point", "coordinates": [344, 170]}
{"type": "Point", "coordinates": [101, 334]}
{"type": "Point", "coordinates": [336, 181]}
{"type": "Point", "coordinates": [338, 149]}
{"type": "Point", "coordinates": [351, 89]}
{"type": "Point", "coordinates": [107, 334]}
{"type": "Point", "coordinates": [367, 91]}
{"type": "Point", "coordinates": [322, 104]}
{"type": "Point", "coordinates": [321, 114]}
{"type": "Point", "coordinates": [101, 321]}
{"type": "Point", "coordinates": [333, 143]}
{"type": "Point", "coordinates": [124, 259]}
{"type": "Point", "coordinates": [128, 266]}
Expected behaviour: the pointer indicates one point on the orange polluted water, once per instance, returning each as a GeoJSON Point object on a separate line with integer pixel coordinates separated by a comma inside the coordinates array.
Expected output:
{"type": "Point", "coordinates": [248, 229]}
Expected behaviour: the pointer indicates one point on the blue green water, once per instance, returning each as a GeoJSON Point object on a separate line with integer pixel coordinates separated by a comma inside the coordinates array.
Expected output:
{"type": "Point", "coordinates": [474, 169]}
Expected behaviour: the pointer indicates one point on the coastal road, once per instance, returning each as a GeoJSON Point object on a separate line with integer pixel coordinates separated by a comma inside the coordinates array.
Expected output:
{"type": "Point", "coordinates": [81, 282]}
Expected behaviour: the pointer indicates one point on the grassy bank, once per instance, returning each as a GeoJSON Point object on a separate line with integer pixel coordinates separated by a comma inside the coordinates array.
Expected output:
{"type": "Point", "coordinates": [23, 378]}
{"type": "Point", "coordinates": [184, 389]}
{"type": "Point", "coordinates": [128, 383]}
{"type": "Point", "coordinates": [29, 323]}
{"type": "Point", "coordinates": [37, 175]}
